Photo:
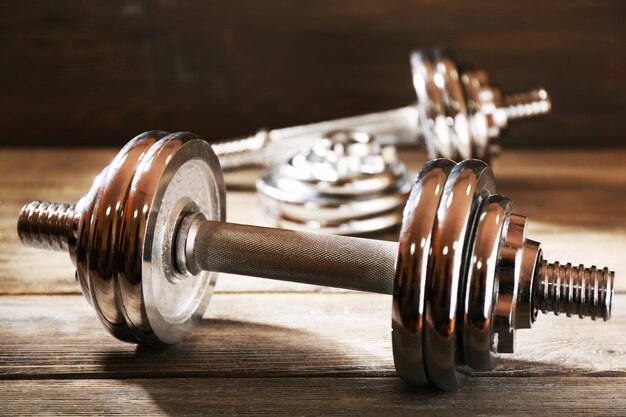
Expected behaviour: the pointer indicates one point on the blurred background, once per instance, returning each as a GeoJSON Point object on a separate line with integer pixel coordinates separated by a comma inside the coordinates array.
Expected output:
{"type": "Point", "coordinates": [96, 73]}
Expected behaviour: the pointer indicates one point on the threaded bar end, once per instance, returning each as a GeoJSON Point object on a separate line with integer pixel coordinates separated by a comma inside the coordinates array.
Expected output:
{"type": "Point", "coordinates": [586, 292]}
{"type": "Point", "coordinates": [46, 225]}
{"type": "Point", "coordinates": [528, 104]}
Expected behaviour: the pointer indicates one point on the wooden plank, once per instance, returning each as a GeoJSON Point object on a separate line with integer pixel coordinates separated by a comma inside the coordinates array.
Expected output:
{"type": "Point", "coordinates": [307, 352]}
{"type": "Point", "coordinates": [313, 397]}
{"type": "Point", "coordinates": [276, 335]}
{"type": "Point", "coordinates": [577, 209]}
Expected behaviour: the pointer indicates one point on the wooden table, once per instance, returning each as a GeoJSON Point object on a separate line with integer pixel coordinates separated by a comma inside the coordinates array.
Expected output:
{"type": "Point", "coordinates": [285, 349]}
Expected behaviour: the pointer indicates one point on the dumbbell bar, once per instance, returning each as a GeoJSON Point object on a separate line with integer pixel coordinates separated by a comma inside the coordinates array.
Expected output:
{"type": "Point", "coordinates": [458, 114]}
{"type": "Point", "coordinates": [149, 237]}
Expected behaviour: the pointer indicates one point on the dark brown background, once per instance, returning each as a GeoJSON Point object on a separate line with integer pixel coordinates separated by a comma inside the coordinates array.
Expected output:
{"type": "Point", "coordinates": [99, 72]}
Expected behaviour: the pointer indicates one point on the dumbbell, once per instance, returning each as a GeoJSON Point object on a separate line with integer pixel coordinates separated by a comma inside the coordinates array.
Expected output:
{"type": "Point", "coordinates": [149, 237]}
{"type": "Point", "coordinates": [458, 114]}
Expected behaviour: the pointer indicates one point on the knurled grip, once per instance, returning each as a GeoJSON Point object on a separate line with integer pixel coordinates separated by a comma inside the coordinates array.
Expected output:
{"type": "Point", "coordinates": [311, 258]}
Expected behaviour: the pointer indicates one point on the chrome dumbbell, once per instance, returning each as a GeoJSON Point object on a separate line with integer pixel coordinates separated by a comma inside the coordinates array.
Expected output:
{"type": "Point", "coordinates": [458, 114]}
{"type": "Point", "coordinates": [149, 237]}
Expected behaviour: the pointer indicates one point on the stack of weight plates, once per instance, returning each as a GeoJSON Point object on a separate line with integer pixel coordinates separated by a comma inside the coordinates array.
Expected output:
{"type": "Point", "coordinates": [346, 183]}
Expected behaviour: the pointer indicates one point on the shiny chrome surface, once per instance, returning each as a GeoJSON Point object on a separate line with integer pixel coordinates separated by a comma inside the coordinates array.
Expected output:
{"type": "Point", "coordinates": [119, 236]}
{"type": "Point", "coordinates": [179, 176]}
{"type": "Point", "coordinates": [318, 181]}
{"type": "Point", "coordinates": [346, 183]}
{"type": "Point", "coordinates": [411, 276]}
{"type": "Point", "coordinates": [574, 290]}
{"type": "Point", "coordinates": [525, 310]}
{"type": "Point", "coordinates": [98, 249]}
{"type": "Point", "coordinates": [508, 283]}
{"type": "Point", "coordinates": [481, 289]}
{"type": "Point", "coordinates": [267, 148]}
{"type": "Point", "coordinates": [47, 225]}
{"type": "Point", "coordinates": [515, 307]}
{"type": "Point", "coordinates": [149, 237]}
{"type": "Point", "coordinates": [467, 185]}
{"type": "Point", "coordinates": [458, 115]}
{"type": "Point", "coordinates": [442, 105]}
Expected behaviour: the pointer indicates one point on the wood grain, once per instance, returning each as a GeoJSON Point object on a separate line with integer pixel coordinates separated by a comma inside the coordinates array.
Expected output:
{"type": "Point", "coordinates": [273, 348]}
{"type": "Point", "coordinates": [99, 73]}
{"type": "Point", "coordinates": [313, 397]}
{"type": "Point", "coordinates": [576, 207]}
{"type": "Point", "coordinates": [276, 335]}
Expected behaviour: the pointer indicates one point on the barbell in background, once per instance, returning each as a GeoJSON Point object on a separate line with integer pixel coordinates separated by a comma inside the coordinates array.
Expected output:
{"type": "Point", "coordinates": [149, 237]}
{"type": "Point", "coordinates": [350, 181]}
{"type": "Point", "coordinates": [458, 114]}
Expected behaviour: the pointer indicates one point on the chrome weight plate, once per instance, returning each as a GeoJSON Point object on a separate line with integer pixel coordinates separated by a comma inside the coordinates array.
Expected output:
{"type": "Point", "coordinates": [131, 215]}
{"type": "Point", "coordinates": [180, 175]}
{"type": "Point", "coordinates": [411, 276]}
{"type": "Point", "coordinates": [467, 185]}
{"type": "Point", "coordinates": [481, 291]}
{"type": "Point", "coordinates": [346, 183]}
{"type": "Point", "coordinates": [97, 250]}
{"type": "Point", "coordinates": [441, 105]}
